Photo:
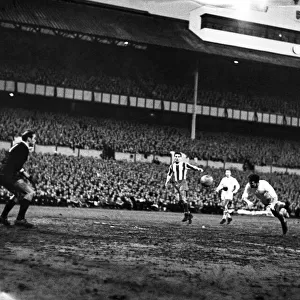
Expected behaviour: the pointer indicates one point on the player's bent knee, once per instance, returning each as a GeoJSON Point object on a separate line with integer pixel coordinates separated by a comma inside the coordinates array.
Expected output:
{"type": "Point", "coordinates": [275, 213]}
{"type": "Point", "coordinates": [279, 206]}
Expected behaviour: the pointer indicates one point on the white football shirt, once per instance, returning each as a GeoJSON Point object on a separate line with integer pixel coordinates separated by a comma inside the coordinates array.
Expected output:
{"type": "Point", "coordinates": [233, 186]}
{"type": "Point", "coordinates": [264, 192]}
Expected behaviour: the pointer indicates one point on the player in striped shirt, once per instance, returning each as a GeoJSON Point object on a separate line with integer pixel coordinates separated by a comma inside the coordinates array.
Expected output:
{"type": "Point", "coordinates": [178, 169]}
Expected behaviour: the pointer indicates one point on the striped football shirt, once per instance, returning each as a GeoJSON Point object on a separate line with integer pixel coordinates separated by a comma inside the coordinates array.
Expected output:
{"type": "Point", "coordinates": [179, 170]}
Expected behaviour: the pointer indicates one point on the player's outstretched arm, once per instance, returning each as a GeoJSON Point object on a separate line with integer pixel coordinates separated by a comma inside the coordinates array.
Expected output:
{"type": "Point", "coordinates": [167, 180]}
{"type": "Point", "coordinates": [195, 168]}
{"type": "Point", "coordinates": [236, 187]}
{"type": "Point", "coordinates": [245, 196]}
{"type": "Point", "coordinates": [220, 186]}
{"type": "Point", "coordinates": [169, 176]}
{"type": "Point", "coordinates": [24, 173]}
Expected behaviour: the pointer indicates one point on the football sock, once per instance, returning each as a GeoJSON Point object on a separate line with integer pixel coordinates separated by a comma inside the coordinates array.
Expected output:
{"type": "Point", "coordinates": [23, 208]}
{"type": "Point", "coordinates": [186, 208]}
{"type": "Point", "coordinates": [8, 207]}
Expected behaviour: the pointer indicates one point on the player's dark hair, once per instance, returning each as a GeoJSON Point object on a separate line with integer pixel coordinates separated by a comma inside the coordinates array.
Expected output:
{"type": "Point", "coordinates": [254, 178]}
{"type": "Point", "coordinates": [27, 134]}
{"type": "Point", "coordinates": [177, 153]}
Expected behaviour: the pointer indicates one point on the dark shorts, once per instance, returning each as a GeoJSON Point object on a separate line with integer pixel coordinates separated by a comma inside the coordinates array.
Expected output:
{"type": "Point", "coordinates": [18, 187]}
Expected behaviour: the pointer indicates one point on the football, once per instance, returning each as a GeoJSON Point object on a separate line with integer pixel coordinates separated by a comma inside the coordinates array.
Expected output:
{"type": "Point", "coordinates": [206, 180]}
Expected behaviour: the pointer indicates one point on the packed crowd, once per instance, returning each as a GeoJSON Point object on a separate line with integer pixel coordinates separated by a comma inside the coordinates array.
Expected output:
{"type": "Point", "coordinates": [133, 137]}
{"type": "Point", "coordinates": [89, 182]}
{"type": "Point", "coordinates": [158, 74]}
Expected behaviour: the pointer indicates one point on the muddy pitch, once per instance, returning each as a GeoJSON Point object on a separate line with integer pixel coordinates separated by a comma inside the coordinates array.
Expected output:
{"type": "Point", "coordinates": [114, 254]}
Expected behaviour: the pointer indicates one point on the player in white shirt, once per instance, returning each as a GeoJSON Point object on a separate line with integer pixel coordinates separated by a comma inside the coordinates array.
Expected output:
{"type": "Point", "coordinates": [267, 195]}
{"type": "Point", "coordinates": [179, 169]}
{"type": "Point", "coordinates": [228, 187]}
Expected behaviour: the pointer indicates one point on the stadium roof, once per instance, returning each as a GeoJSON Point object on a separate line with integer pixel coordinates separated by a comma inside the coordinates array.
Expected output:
{"type": "Point", "coordinates": [128, 25]}
{"type": "Point", "coordinates": [180, 9]}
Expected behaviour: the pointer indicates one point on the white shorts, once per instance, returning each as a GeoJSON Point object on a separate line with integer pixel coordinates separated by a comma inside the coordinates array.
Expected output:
{"type": "Point", "coordinates": [225, 195]}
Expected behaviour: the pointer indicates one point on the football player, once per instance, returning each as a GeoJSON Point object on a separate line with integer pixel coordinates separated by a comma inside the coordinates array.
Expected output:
{"type": "Point", "coordinates": [15, 179]}
{"type": "Point", "coordinates": [267, 195]}
{"type": "Point", "coordinates": [179, 169]}
{"type": "Point", "coordinates": [228, 187]}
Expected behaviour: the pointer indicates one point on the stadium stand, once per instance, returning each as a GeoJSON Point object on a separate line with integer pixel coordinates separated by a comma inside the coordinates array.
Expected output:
{"type": "Point", "coordinates": [135, 137]}
{"type": "Point", "coordinates": [156, 74]}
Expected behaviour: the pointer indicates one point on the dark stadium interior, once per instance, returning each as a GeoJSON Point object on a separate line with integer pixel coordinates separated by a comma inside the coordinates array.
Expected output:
{"type": "Point", "coordinates": [103, 49]}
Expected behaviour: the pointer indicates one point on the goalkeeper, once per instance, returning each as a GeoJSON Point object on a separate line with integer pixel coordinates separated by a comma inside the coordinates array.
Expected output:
{"type": "Point", "coordinates": [14, 178]}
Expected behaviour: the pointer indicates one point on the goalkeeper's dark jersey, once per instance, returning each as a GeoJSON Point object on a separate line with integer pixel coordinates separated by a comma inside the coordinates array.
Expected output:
{"type": "Point", "coordinates": [14, 160]}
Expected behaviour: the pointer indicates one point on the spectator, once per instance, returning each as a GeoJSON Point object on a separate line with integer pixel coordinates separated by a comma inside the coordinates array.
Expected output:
{"type": "Point", "coordinates": [90, 182]}
{"type": "Point", "coordinates": [134, 137]}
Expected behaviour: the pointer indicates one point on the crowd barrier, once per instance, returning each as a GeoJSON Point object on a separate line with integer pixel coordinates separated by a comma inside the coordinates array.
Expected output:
{"type": "Point", "coordinates": [12, 86]}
